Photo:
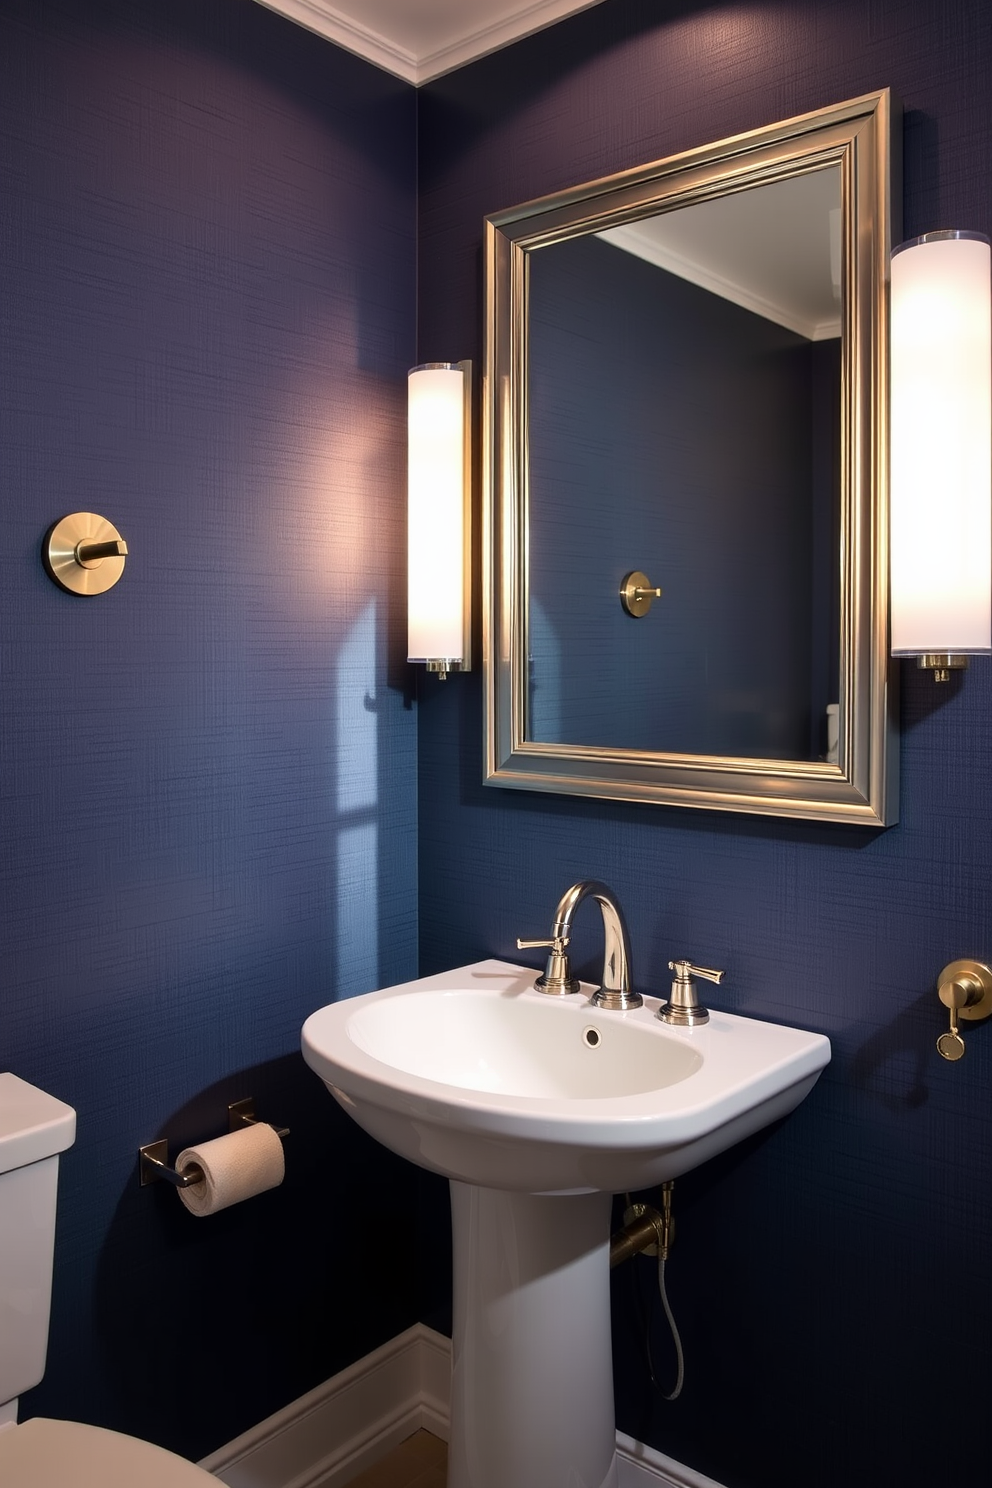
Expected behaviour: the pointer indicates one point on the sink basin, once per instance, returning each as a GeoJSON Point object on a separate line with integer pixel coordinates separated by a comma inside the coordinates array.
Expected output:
{"type": "Point", "coordinates": [473, 1074]}
{"type": "Point", "coordinates": [538, 1109]}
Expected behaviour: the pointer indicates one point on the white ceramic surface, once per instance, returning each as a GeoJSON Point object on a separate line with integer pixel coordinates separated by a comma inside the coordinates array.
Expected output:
{"type": "Point", "coordinates": [33, 1124]}
{"type": "Point", "coordinates": [538, 1108]}
{"type": "Point", "coordinates": [473, 1074]}
{"type": "Point", "coordinates": [531, 1364]}
{"type": "Point", "coordinates": [34, 1129]}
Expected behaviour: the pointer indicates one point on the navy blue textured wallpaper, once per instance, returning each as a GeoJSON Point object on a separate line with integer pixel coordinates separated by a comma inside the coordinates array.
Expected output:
{"type": "Point", "coordinates": [208, 775]}
{"type": "Point", "coordinates": [819, 1275]}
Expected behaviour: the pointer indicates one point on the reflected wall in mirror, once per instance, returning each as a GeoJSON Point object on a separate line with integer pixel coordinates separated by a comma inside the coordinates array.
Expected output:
{"type": "Point", "coordinates": [685, 376]}
{"type": "Point", "coordinates": [684, 386]}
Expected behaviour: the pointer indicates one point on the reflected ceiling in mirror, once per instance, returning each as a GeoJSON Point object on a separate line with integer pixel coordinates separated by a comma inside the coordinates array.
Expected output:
{"type": "Point", "coordinates": [774, 250]}
{"type": "Point", "coordinates": [685, 368]}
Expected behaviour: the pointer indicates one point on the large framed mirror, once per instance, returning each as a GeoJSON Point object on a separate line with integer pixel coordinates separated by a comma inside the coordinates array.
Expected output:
{"type": "Point", "coordinates": [686, 392]}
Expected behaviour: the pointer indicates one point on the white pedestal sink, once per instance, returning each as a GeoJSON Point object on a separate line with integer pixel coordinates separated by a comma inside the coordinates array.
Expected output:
{"type": "Point", "coordinates": [538, 1109]}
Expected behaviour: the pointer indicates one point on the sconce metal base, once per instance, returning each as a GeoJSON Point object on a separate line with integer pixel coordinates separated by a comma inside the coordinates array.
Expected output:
{"type": "Point", "coordinates": [84, 553]}
{"type": "Point", "coordinates": [942, 664]}
{"type": "Point", "coordinates": [442, 665]}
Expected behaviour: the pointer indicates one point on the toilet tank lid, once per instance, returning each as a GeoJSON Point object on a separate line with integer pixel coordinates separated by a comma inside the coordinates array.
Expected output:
{"type": "Point", "coordinates": [33, 1125]}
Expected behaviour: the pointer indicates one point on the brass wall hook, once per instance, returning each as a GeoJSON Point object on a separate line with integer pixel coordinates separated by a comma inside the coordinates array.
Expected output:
{"type": "Point", "coordinates": [84, 553]}
{"type": "Point", "coordinates": [965, 988]}
{"type": "Point", "coordinates": [637, 593]}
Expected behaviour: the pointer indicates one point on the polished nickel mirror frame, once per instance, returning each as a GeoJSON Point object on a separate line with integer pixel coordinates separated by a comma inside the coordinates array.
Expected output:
{"type": "Point", "coordinates": [861, 137]}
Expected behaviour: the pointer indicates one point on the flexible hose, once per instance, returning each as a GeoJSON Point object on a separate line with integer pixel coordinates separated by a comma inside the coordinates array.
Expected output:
{"type": "Point", "coordinates": [670, 1316]}
{"type": "Point", "coordinates": [680, 1376]}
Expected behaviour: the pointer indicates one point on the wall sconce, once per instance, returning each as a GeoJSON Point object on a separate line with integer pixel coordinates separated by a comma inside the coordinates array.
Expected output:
{"type": "Point", "coordinates": [941, 450]}
{"type": "Point", "coordinates": [439, 540]}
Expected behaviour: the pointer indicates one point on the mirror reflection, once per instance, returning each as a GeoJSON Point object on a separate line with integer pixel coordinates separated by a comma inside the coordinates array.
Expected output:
{"type": "Point", "coordinates": [684, 420]}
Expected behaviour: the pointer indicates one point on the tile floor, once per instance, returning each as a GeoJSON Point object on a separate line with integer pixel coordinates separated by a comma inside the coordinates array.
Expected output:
{"type": "Point", "coordinates": [419, 1462]}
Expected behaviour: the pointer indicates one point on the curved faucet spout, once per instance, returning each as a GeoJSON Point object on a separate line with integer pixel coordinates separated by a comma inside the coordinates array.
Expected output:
{"type": "Point", "coordinates": [615, 992]}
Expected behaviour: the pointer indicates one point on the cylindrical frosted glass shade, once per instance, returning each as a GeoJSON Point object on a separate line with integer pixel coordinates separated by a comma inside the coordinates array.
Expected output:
{"type": "Point", "coordinates": [941, 446]}
{"type": "Point", "coordinates": [436, 514]}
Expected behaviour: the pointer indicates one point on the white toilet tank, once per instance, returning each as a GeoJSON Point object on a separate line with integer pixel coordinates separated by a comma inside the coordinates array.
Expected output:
{"type": "Point", "coordinates": [34, 1129]}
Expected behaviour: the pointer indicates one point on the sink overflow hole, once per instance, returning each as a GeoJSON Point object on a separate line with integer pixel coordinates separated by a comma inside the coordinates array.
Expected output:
{"type": "Point", "coordinates": [592, 1037]}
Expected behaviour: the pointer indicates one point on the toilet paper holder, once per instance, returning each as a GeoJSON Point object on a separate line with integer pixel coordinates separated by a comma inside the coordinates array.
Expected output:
{"type": "Point", "coordinates": [153, 1158]}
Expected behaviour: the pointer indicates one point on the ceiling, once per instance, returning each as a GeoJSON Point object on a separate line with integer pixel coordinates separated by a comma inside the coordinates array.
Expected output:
{"type": "Point", "coordinates": [775, 249]}
{"type": "Point", "coordinates": [421, 39]}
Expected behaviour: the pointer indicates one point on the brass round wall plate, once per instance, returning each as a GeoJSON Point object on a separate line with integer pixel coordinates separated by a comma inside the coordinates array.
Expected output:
{"type": "Point", "coordinates": [976, 975]}
{"type": "Point", "coordinates": [63, 554]}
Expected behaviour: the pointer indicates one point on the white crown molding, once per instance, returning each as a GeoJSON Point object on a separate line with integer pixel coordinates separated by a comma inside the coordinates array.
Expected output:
{"type": "Point", "coordinates": [318, 16]}
{"type": "Point", "coordinates": [509, 22]}
{"type": "Point", "coordinates": [522, 21]}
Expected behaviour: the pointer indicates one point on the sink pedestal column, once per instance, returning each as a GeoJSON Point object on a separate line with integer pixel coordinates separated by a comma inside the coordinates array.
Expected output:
{"type": "Point", "coordinates": [532, 1365]}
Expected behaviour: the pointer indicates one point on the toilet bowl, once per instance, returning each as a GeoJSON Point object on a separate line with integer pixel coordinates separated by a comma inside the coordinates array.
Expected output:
{"type": "Point", "coordinates": [56, 1454]}
{"type": "Point", "coordinates": [41, 1453]}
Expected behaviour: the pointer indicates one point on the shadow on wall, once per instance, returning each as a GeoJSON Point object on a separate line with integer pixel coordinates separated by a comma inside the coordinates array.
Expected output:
{"type": "Point", "coordinates": [922, 697]}
{"type": "Point", "coordinates": [318, 1271]}
{"type": "Point", "coordinates": [893, 1063]}
{"type": "Point", "coordinates": [366, 107]}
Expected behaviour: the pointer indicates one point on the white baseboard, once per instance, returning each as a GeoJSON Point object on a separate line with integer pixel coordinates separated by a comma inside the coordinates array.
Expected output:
{"type": "Point", "coordinates": [346, 1424]}
{"type": "Point", "coordinates": [639, 1466]}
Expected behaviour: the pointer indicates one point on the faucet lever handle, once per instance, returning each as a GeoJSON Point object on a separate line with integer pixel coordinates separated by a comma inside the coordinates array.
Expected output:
{"type": "Point", "coordinates": [557, 978]}
{"type": "Point", "coordinates": [684, 970]}
{"type": "Point", "coordinates": [684, 1008]}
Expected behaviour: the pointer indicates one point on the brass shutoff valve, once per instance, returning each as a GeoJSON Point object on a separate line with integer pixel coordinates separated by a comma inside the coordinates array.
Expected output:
{"type": "Point", "coordinates": [965, 988]}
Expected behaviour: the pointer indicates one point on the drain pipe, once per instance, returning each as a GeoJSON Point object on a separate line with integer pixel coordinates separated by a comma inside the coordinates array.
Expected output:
{"type": "Point", "coordinates": [645, 1230]}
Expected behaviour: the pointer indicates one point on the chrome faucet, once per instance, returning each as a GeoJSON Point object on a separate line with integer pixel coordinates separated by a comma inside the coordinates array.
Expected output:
{"type": "Point", "coordinates": [615, 993]}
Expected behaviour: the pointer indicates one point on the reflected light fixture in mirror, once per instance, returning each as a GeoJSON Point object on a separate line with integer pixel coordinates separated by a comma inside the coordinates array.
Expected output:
{"type": "Point", "coordinates": [941, 450]}
{"type": "Point", "coordinates": [439, 516]}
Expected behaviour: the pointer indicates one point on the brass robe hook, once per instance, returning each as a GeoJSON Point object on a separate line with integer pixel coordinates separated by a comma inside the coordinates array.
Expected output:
{"type": "Point", "coordinates": [637, 593]}
{"type": "Point", "coordinates": [84, 553]}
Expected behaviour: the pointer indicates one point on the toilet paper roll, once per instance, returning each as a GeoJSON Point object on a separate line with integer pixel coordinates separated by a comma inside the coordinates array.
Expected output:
{"type": "Point", "coordinates": [234, 1168]}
